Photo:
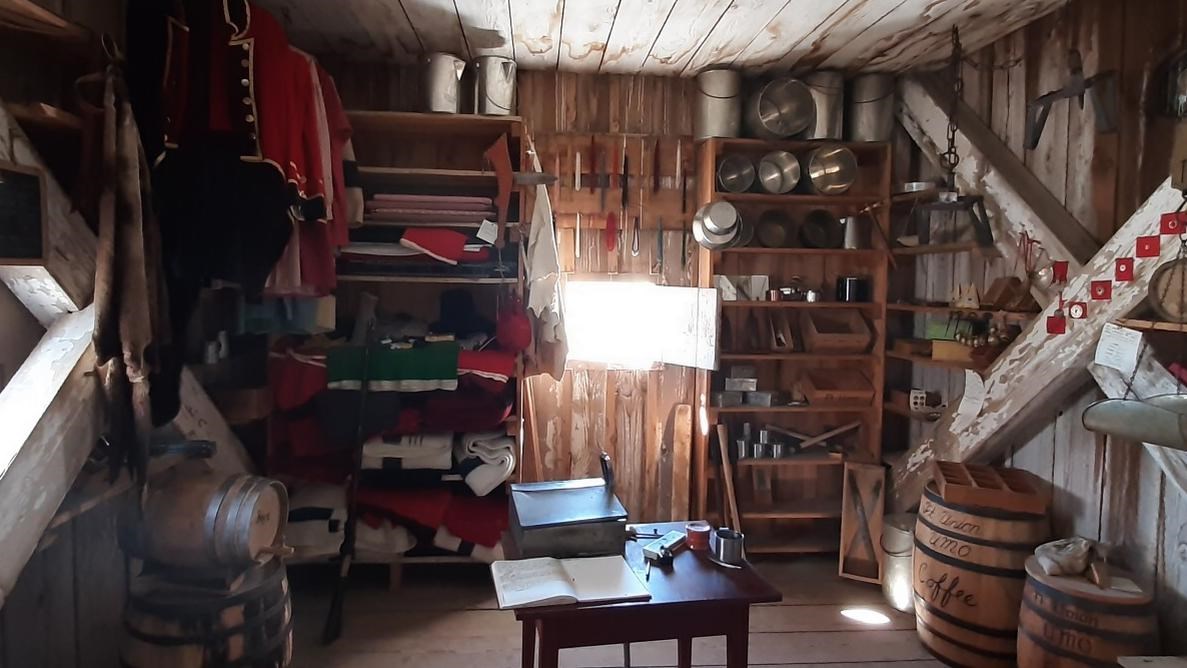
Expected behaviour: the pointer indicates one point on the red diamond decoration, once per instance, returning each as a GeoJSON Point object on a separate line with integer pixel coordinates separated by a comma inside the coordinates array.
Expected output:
{"type": "Point", "coordinates": [1124, 269]}
{"type": "Point", "coordinates": [1173, 223]}
{"type": "Point", "coordinates": [1101, 290]}
{"type": "Point", "coordinates": [1056, 324]}
{"type": "Point", "coordinates": [1149, 246]}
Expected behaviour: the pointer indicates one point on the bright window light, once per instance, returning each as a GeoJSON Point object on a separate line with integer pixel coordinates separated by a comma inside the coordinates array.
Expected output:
{"type": "Point", "coordinates": [865, 616]}
{"type": "Point", "coordinates": [616, 323]}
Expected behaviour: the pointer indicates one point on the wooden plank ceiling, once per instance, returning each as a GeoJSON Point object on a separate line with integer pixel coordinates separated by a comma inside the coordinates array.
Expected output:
{"type": "Point", "coordinates": [666, 37]}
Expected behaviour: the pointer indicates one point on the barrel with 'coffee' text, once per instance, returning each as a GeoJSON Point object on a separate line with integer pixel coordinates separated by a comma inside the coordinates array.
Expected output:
{"type": "Point", "coordinates": [1069, 621]}
{"type": "Point", "coordinates": [969, 571]}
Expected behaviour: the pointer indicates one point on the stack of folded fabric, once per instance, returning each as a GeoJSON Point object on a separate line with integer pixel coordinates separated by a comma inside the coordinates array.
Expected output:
{"type": "Point", "coordinates": [317, 521]}
{"type": "Point", "coordinates": [395, 369]}
{"type": "Point", "coordinates": [485, 460]}
{"type": "Point", "coordinates": [409, 453]}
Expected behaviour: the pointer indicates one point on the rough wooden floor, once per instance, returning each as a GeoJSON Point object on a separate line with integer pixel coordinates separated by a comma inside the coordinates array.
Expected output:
{"type": "Point", "coordinates": [446, 617]}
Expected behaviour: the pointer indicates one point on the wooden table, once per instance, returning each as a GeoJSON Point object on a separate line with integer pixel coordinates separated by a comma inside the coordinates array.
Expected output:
{"type": "Point", "coordinates": [691, 599]}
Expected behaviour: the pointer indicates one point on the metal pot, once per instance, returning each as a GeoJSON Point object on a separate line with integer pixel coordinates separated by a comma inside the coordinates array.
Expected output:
{"type": "Point", "coordinates": [719, 104]}
{"type": "Point", "coordinates": [494, 86]}
{"type": "Point", "coordinates": [719, 215]}
{"type": "Point", "coordinates": [735, 173]}
{"type": "Point", "coordinates": [857, 232]}
{"type": "Point", "coordinates": [828, 92]}
{"type": "Point", "coordinates": [871, 108]}
{"type": "Point", "coordinates": [781, 108]}
{"type": "Point", "coordinates": [778, 172]}
{"type": "Point", "coordinates": [774, 229]}
{"type": "Point", "coordinates": [898, 534]}
{"type": "Point", "coordinates": [821, 229]}
{"type": "Point", "coordinates": [832, 169]}
{"type": "Point", "coordinates": [443, 82]}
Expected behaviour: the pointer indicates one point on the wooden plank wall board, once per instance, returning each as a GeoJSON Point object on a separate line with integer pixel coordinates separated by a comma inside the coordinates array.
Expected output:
{"type": "Point", "coordinates": [1102, 488]}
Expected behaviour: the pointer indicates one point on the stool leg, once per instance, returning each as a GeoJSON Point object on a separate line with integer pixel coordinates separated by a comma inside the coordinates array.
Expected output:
{"type": "Point", "coordinates": [528, 648]}
{"type": "Point", "coordinates": [626, 655]}
{"type": "Point", "coordinates": [684, 652]}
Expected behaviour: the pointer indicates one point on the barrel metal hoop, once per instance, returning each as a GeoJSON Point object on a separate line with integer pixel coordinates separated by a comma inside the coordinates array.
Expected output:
{"type": "Point", "coordinates": [1118, 636]}
{"type": "Point", "coordinates": [210, 522]}
{"type": "Point", "coordinates": [990, 513]}
{"type": "Point", "coordinates": [1000, 656]}
{"type": "Point", "coordinates": [1059, 651]}
{"type": "Point", "coordinates": [1028, 548]}
{"type": "Point", "coordinates": [1014, 573]}
{"type": "Point", "coordinates": [975, 628]}
{"type": "Point", "coordinates": [238, 535]}
{"type": "Point", "coordinates": [142, 604]}
{"type": "Point", "coordinates": [1140, 610]}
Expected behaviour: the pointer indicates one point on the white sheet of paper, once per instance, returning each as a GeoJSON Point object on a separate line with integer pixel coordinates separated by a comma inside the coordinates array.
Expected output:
{"type": "Point", "coordinates": [970, 403]}
{"type": "Point", "coordinates": [488, 232]}
{"type": "Point", "coordinates": [1118, 347]}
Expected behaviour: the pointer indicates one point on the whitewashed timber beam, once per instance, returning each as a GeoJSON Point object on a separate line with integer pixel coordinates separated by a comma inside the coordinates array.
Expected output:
{"type": "Point", "coordinates": [1016, 200]}
{"type": "Point", "coordinates": [64, 282]}
{"type": "Point", "coordinates": [1150, 380]}
{"type": "Point", "coordinates": [52, 411]}
{"type": "Point", "coordinates": [1039, 369]}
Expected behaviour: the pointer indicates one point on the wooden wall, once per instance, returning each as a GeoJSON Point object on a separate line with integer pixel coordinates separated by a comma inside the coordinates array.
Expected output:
{"type": "Point", "coordinates": [1103, 489]}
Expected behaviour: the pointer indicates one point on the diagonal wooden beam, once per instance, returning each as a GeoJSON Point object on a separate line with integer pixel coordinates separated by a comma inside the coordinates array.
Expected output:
{"type": "Point", "coordinates": [1016, 200]}
{"type": "Point", "coordinates": [1038, 367]}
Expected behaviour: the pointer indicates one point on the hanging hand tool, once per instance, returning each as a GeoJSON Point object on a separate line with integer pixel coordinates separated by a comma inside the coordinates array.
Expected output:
{"type": "Point", "coordinates": [683, 204]}
{"type": "Point", "coordinates": [577, 189]}
{"type": "Point", "coordinates": [624, 185]}
{"type": "Point", "coordinates": [635, 237]}
{"type": "Point", "coordinates": [1101, 89]}
{"type": "Point", "coordinates": [659, 250]}
{"type": "Point", "coordinates": [655, 168]}
{"type": "Point", "coordinates": [577, 237]}
{"type": "Point", "coordinates": [603, 178]}
{"type": "Point", "coordinates": [593, 162]}
{"type": "Point", "coordinates": [611, 232]}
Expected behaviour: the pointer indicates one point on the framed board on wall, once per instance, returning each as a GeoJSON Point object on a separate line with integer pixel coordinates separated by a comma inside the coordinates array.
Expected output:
{"type": "Point", "coordinates": [23, 237]}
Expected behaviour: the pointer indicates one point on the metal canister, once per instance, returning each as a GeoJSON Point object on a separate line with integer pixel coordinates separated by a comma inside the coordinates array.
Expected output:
{"type": "Point", "coordinates": [898, 532]}
{"type": "Point", "coordinates": [729, 546]}
{"type": "Point", "coordinates": [443, 82]}
{"type": "Point", "coordinates": [494, 86]}
{"type": "Point", "coordinates": [776, 450]}
{"type": "Point", "coordinates": [828, 91]}
{"type": "Point", "coordinates": [831, 169]}
{"type": "Point", "coordinates": [735, 173]}
{"type": "Point", "coordinates": [719, 104]}
{"type": "Point", "coordinates": [781, 108]}
{"type": "Point", "coordinates": [871, 108]}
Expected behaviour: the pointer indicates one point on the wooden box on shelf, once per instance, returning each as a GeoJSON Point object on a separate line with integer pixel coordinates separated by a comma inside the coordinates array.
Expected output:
{"type": "Point", "coordinates": [837, 387]}
{"type": "Point", "coordinates": [838, 332]}
{"type": "Point", "coordinates": [951, 351]}
{"type": "Point", "coordinates": [912, 347]}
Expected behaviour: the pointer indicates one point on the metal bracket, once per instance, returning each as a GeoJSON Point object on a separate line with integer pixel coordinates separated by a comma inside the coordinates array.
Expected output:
{"type": "Point", "coordinates": [1102, 92]}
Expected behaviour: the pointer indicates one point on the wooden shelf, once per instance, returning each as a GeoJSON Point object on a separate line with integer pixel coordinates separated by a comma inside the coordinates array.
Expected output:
{"type": "Point", "coordinates": [860, 148]}
{"type": "Point", "coordinates": [907, 413]}
{"type": "Point", "coordinates": [938, 249]}
{"type": "Point", "coordinates": [800, 305]}
{"type": "Point", "coordinates": [741, 410]}
{"type": "Point", "coordinates": [813, 459]}
{"type": "Point", "coordinates": [798, 199]}
{"type": "Point", "coordinates": [795, 357]}
{"type": "Point", "coordinates": [948, 310]}
{"type": "Point", "coordinates": [927, 361]}
{"type": "Point", "coordinates": [862, 253]}
{"type": "Point", "coordinates": [811, 543]}
{"type": "Point", "coordinates": [405, 122]}
{"type": "Point", "coordinates": [1153, 325]}
{"type": "Point", "coordinates": [427, 176]}
{"type": "Point", "coordinates": [440, 280]}
{"type": "Point", "coordinates": [804, 509]}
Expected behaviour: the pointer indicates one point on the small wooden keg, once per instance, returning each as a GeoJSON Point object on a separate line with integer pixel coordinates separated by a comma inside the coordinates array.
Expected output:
{"type": "Point", "coordinates": [1069, 621]}
{"type": "Point", "coordinates": [969, 571]}
{"type": "Point", "coordinates": [200, 519]}
{"type": "Point", "coordinates": [173, 625]}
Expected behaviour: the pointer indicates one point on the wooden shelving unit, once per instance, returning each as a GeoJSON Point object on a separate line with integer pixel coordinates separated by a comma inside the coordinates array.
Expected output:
{"type": "Point", "coordinates": [927, 361]}
{"type": "Point", "coordinates": [436, 154]}
{"type": "Point", "coordinates": [793, 505]}
{"type": "Point", "coordinates": [949, 310]}
{"type": "Point", "coordinates": [938, 249]}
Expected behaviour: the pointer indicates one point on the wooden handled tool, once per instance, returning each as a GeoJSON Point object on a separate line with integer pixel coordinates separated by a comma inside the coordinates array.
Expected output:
{"type": "Point", "coordinates": [730, 511]}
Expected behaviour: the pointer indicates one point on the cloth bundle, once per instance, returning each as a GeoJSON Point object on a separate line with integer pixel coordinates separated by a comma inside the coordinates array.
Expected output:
{"type": "Point", "coordinates": [419, 369]}
{"type": "Point", "coordinates": [427, 451]}
{"type": "Point", "coordinates": [317, 522]}
{"type": "Point", "coordinates": [485, 460]}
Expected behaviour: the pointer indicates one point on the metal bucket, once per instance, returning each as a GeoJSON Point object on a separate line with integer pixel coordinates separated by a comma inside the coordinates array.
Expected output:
{"type": "Point", "coordinates": [735, 173]}
{"type": "Point", "coordinates": [778, 172]}
{"type": "Point", "coordinates": [781, 108]}
{"type": "Point", "coordinates": [871, 108]}
{"type": "Point", "coordinates": [719, 105]}
{"type": "Point", "coordinates": [828, 91]}
{"type": "Point", "coordinates": [443, 82]}
{"type": "Point", "coordinates": [831, 169]}
{"type": "Point", "coordinates": [898, 536]}
{"type": "Point", "coordinates": [494, 86]}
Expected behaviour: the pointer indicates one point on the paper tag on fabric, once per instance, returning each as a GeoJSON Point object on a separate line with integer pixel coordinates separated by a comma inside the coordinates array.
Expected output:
{"type": "Point", "coordinates": [1118, 347]}
{"type": "Point", "coordinates": [488, 232]}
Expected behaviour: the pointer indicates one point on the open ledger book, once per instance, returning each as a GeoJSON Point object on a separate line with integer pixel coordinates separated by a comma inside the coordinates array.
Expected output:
{"type": "Point", "coordinates": [528, 583]}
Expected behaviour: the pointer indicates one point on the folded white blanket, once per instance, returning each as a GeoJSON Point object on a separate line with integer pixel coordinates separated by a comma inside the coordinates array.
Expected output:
{"type": "Point", "coordinates": [317, 522]}
{"type": "Point", "coordinates": [491, 446]}
{"type": "Point", "coordinates": [437, 461]}
{"type": "Point", "coordinates": [485, 460]}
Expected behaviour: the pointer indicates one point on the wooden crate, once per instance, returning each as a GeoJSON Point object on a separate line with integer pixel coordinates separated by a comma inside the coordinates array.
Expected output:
{"type": "Point", "coordinates": [841, 331]}
{"type": "Point", "coordinates": [989, 487]}
{"type": "Point", "coordinates": [837, 387]}
{"type": "Point", "coordinates": [862, 505]}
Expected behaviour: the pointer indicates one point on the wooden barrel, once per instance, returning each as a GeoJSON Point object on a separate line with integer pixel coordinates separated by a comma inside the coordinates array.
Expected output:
{"type": "Point", "coordinates": [969, 570]}
{"type": "Point", "coordinates": [201, 519]}
{"type": "Point", "coordinates": [177, 626]}
{"type": "Point", "coordinates": [1068, 621]}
